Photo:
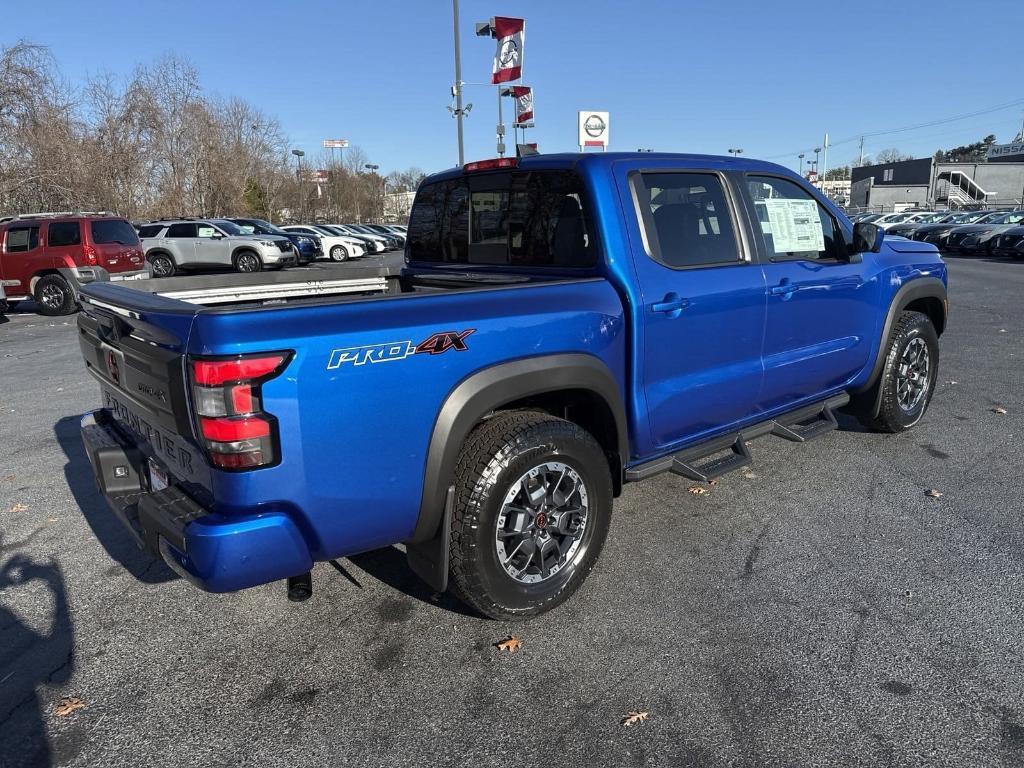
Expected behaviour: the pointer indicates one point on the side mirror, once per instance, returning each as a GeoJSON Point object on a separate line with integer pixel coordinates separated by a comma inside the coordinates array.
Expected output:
{"type": "Point", "coordinates": [867, 237]}
{"type": "Point", "coordinates": [217, 236]}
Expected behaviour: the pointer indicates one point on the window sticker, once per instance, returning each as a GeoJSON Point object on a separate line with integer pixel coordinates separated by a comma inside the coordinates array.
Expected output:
{"type": "Point", "coordinates": [795, 225]}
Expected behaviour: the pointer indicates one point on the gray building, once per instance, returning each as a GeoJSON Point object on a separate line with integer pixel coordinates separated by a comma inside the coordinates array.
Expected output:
{"type": "Point", "coordinates": [895, 186]}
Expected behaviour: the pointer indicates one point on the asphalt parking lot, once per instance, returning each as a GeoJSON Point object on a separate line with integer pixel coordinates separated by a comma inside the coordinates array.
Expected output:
{"type": "Point", "coordinates": [819, 609]}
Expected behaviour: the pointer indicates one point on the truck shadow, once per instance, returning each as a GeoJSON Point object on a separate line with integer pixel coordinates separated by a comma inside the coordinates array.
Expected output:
{"type": "Point", "coordinates": [32, 656]}
{"type": "Point", "coordinates": [105, 526]}
{"type": "Point", "coordinates": [389, 566]}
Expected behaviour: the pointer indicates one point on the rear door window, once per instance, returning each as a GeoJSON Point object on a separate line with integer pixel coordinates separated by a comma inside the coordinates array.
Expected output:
{"type": "Point", "coordinates": [113, 231]}
{"type": "Point", "coordinates": [518, 219]}
{"type": "Point", "coordinates": [60, 233]}
{"type": "Point", "coordinates": [22, 239]}
{"type": "Point", "coordinates": [686, 219]}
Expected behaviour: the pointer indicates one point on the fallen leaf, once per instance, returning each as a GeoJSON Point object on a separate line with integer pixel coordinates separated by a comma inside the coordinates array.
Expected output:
{"type": "Point", "coordinates": [634, 716]}
{"type": "Point", "coordinates": [19, 508]}
{"type": "Point", "coordinates": [697, 490]}
{"type": "Point", "coordinates": [712, 482]}
{"type": "Point", "coordinates": [9, 478]}
{"type": "Point", "coordinates": [933, 493]}
{"type": "Point", "coordinates": [67, 705]}
{"type": "Point", "coordinates": [749, 475]}
{"type": "Point", "coordinates": [1000, 410]}
{"type": "Point", "coordinates": [510, 644]}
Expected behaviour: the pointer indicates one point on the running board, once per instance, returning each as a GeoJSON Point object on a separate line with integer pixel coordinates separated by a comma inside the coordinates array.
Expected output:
{"type": "Point", "coordinates": [703, 462]}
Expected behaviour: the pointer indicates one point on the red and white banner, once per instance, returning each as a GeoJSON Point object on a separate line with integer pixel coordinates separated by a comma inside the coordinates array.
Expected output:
{"type": "Point", "coordinates": [524, 103]}
{"type": "Point", "coordinates": [508, 59]}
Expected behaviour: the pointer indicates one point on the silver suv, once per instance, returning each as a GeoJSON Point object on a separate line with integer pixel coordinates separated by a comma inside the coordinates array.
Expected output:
{"type": "Point", "coordinates": [180, 244]}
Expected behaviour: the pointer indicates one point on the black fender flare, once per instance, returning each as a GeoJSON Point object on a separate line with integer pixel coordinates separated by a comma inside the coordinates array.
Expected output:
{"type": "Point", "coordinates": [489, 389]}
{"type": "Point", "coordinates": [917, 288]}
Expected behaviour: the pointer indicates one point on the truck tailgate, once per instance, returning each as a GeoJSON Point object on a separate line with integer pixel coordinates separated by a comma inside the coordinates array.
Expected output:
{"type": "Point", "coordinates": [137, 357]}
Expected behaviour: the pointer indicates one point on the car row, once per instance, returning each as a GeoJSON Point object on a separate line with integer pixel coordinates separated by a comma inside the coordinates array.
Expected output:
{"type": "Point", "coordinates": [992, 233]}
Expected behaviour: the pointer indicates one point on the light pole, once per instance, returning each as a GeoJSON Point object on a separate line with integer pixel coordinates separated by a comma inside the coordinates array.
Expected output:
{"type": "Point", "coordinates": [299, 154]}
{"type": "Point", "coordinates": [801, 156]}
{"type": "Point", "coordinates": [458, 112]}
{"type": "Point", "coordinates": [735, 152]}
{"type": "Point", "coordinates": [817, 151]}
{"type": "Point", "coordinates": [372, 168]}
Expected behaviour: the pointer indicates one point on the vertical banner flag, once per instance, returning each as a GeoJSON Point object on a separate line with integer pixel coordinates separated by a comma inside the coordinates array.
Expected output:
{"type": "Point", "coordinates": [508, 59]}
{"type": "Point", "coordinates": [524, 104]}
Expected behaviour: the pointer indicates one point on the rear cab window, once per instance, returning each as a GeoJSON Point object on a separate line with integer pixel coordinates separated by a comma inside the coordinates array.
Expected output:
{"type": "Point", "coordinates": [524, 219]}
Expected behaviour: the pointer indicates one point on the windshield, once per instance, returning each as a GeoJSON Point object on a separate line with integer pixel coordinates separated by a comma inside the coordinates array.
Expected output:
{"type": "Point", "coordinates": [335, 229]}
{"type": "Point", "coordinates": [260, 227]}
{"type": "Point", "coordinates": [323, 231]}
{"type": "Point", "coordinates": [362, 229]}
{"type": "Point", "coordinates": [228, 226]}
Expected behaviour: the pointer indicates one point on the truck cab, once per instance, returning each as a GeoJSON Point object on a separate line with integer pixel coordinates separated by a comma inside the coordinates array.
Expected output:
{"type": "Point", "coordinates": [563, 325]}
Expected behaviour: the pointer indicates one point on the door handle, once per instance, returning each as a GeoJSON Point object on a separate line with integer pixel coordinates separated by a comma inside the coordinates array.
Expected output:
{"type": "Point", "coordinates": [781, 290]}
{"type": "Point", "coordinates": [672, 305]}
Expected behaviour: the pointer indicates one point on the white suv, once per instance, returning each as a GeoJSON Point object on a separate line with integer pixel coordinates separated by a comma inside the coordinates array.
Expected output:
{"type": "Point", "coordinates": [337, 247]}
{"type": "Point", "coordinates": [180, 244]}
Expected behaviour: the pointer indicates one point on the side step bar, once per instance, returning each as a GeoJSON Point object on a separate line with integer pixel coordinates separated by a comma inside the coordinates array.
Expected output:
{"type": "Point", "coordinates": [727, 453]}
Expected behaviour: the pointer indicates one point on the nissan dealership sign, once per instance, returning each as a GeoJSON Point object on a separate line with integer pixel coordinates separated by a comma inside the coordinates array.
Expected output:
{"type": "Point", "coordinates": [1014, 150]}
{"type": "Point", "coordinates": [593, 129]}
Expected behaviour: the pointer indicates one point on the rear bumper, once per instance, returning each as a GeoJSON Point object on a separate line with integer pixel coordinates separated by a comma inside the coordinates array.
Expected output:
{"type": "Point", "coordinates": [215, 552]}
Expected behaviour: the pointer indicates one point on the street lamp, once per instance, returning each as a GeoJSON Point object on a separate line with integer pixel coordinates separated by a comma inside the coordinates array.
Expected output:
{"type": "Point", "coordinates": [372, 168]}
{"type": "Point", "coordinates": [735, 152]}
{"type": "Point", "coordinates": [299, 154]}
{"type": "Point", "coordinates": [801, 156]}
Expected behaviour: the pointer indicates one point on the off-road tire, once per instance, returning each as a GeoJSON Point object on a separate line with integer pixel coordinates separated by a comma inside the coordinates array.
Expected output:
{"type": "Point", "coordinates": [493, 458]}
{"type": "Point", "coordinates": [166, 266]}
{"type": "Point", "coordinates": [891, 416]}
{"type": "Point", "coordinates": [339, 254]}
{"type": "Point", "coordinates": [54, 296]}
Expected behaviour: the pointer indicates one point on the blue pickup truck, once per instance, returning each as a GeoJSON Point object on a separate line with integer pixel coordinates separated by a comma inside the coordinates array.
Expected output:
{"type": "Point", "coordinates": [563, 325]}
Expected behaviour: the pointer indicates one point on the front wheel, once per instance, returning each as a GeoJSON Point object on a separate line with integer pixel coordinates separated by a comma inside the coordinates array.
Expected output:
{"type": "Point", "coordinates": [163, 265]}
{"type": "Point", "coordinates": [338, 253]}
{"type": "Point", "coordinates": [247, 261]}
{"type": "Point", "coordinates": [54, 296]}
{"type": "Point", "coordinates": [907, 380]}
{"type": "Point", "coordinates": [533, 506]}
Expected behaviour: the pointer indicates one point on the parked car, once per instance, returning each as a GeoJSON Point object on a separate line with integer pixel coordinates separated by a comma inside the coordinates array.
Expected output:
{"type": "Point", "coordinates": [174, 245]}
{"type": "Point", "coordinates": [373, 244]}
{"type": "Point", "coordinates": [530, 371]}
{"type": "Point", "coordinates": [49, 257]}
{"type": "Point", "coordinates": [974, 238]}
{"type": "Point", "coordinates": [905, 228]}
{"type": "Point", "coordinates": [307, 247]}
{"type": "Point", "coordinates": [337, 247]}
{"type": "Point", "coordinates": [1009, 242]}
{"type": "Point", "coordinates": [935, 233]}
{"type": "Point", "coordinates": [388, 232]}
{"type": "Point", "coordinates": [390, 241]}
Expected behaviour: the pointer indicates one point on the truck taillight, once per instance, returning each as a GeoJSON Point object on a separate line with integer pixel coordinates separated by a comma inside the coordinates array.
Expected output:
{"type": "Point", "coordinates": [91, 256]}
{"type": "Point", "coordinates": [232, 425]}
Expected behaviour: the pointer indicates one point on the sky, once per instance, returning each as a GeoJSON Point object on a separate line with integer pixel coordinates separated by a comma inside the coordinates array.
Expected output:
{"type": "Point", "coordinates": [769, 77]}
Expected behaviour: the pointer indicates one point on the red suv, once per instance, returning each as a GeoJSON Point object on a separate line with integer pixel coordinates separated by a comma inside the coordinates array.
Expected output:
{"type": "Point", "coordinates": [48, 256]}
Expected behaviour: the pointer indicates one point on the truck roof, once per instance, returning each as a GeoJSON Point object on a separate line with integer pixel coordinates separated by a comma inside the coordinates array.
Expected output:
{"type": "Point", "coordinates": [604, 159]}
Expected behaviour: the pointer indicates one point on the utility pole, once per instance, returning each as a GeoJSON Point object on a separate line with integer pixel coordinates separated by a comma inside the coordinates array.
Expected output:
{"type": "Point", "coordinates": [302, 197]}
{"type": "Point", "coordinates": [801, 157]}
{"type": "Point", "coordinates": [457, 88]}
{"type": "Point", "coordinates": [861, 150]}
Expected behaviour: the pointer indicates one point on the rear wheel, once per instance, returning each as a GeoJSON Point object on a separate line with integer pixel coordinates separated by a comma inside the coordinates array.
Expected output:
{"type": "Point", "coordinates": [338, 253]}
{"type": "Point", "coordinates": [248, 261]}
{"type": "Point", "coordinates": [533, 506]}
{"type": "Point", "coordinates": [907, 380]}
{"type": "Point", "coordinates": [163, 265]}
{"type": "Point", "coordinates": [54, 296]}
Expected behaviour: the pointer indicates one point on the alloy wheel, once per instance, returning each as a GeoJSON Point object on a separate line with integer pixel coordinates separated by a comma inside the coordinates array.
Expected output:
{"type": "Point", "coordinates": [912, 374]}
{"type": "Point", "coordinates": [541, 523]}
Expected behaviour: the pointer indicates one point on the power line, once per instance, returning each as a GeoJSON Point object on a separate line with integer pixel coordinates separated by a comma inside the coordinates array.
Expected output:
{"type": "Point", "coordinates": [930, 123]}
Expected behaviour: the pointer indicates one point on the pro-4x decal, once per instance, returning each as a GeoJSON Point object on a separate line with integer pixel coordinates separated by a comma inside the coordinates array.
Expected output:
{"type": "Point", "coordinates": [399, 350]}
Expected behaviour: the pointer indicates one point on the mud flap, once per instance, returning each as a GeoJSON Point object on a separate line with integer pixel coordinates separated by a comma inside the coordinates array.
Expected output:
{"type": "Point", "coordinates": [429, 560]}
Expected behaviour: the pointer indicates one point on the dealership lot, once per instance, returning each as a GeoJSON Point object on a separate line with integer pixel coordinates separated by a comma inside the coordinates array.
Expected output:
{"type": "Point", "coordinates": [820, 609]}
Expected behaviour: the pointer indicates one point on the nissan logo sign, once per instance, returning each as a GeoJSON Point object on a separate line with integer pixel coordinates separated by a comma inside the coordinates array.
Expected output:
{"type": "Point", "coordinates": [594, 126]}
